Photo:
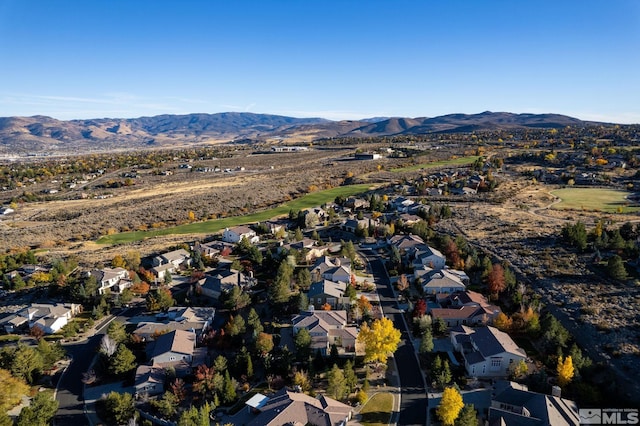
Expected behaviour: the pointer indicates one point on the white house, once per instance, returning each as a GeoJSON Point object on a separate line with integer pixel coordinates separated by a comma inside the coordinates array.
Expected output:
{"type": "Point", "coordinates": [116, 279]}
{"type": "Point", "coordinates": [234, 235]}
{"type": "Point", "coordinates": [487, 351]}
{"type": "Point", "coordinates": [49, 317]}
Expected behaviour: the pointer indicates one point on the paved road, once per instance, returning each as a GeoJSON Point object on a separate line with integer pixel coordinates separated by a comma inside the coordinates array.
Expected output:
{"type": "Point", "coordinates": [413, 406]}
{"type": "Point", "coordinates": [69, 395]}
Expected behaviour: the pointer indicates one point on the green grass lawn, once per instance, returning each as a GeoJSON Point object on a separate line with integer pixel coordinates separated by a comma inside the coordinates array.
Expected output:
{"type": "Point", "coordinates": [594, 199]}
{"type": "Point", "coordinates": [377, 411]}
{"type": "Point", "coordinates": [216, 225]}
{"type": "Point", "coordinates": [462, 161]}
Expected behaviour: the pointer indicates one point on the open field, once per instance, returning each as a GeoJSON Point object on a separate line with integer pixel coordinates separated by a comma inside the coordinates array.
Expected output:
{"type": "Point", "coordinates": [216, 225]}
{"type": "Point", "coordinates": [377, 411]}
{"type": "Point", "coordinates": [594, 199]}
{"type": "Point", "coordinates": [462, 161]}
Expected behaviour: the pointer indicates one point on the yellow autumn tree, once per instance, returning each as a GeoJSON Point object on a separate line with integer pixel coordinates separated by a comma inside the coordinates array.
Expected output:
{"type": "Point", "coordinates": [502, 322]}
{"type": "Point", "coordinates": [192, 216]}
{"type": "Point", "coordinates": [380, 340]}
{"type": "Point", "coordinates": [565, 370]}
{"type": "Point", "coordinates": [11, 390]}
{"type": "Point", "coordinates": [450, 406]}
{"type": "Point", "coordinates": [118, 261]}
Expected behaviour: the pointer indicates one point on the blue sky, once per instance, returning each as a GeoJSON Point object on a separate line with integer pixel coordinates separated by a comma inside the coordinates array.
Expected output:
{"type": "Point", "coordinates": [333, 59]}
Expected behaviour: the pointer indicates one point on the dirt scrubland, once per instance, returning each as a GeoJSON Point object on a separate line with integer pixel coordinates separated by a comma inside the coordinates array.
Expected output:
{"type": "Point", "coordinates": [68, 223]}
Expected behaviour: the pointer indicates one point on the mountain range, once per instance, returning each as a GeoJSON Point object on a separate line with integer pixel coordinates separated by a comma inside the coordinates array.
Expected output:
{"type": "Point", "coordinates": [41, 134]}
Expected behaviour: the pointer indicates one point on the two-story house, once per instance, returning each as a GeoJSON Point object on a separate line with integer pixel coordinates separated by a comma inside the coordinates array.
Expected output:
{"type": "Point", "coordinates": [326, 292]}
{"type": "Point", "coordinates": [235, 234]}
{"type": "Point", "coordinates": [115, 279]}
{"type": "Point", "coordinates": [327, 328]}
{"type": "Point", "coordinates": [333, 269]}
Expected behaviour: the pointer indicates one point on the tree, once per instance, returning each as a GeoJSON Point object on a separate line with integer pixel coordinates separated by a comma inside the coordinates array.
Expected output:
{"type": "Point", "coordinates": [50, 353]}
{"type": "Point", "coordinates": [117, 332]}
{"type": "Point", "coordinates": [420, 308]}
{"type": "Point", "coordinates": [108, 346]}
{"type": "Point", "coordinates": [337, 386]}
{"type": "Point", "coordinates": [426, 343]}
{"type": "Point", "coordinates": [253, 321]}
{"type": "Point", "coordinates": [280, 289]}
{"type": "Point", "coordinates": [235, 326]}
{"type": "Point", "coordinates": [303, 278]}
{"type": "Point", "coordinates": [364, 305]}
{"type": "Point", "coordinates": [119, 407]}
{"type": "Point", "coordinates": [519, 369]}
{"type": "Point", "coordinates": [502, 322]}
{"type": "Point", "coordinates": [40, 412]}
{"type": "Point", "coordinates": [350, 292]}
{"type": "Point", "coordinates": [229, 392]}
{"type": "Point", "coordinates": [615, 268]}
{"type": "Point", "coordinates": [132, 257]}
{"type": "Point", "coordinates": [167, 405]}
{"type": "Point", "coordinates": [122, 361]}
{"type": "Point", "coordinates": [403, 283]}
{"type": "Point", "coordinates": [118, 261]}
{"type": "Point", "coordinates": [350, 376]}
{"type": "Point", "coordinates": [12, 389]}
{"type": "Point", "coordinates": [26, 363]}
{"type": "Point", "coordinates": [450, 406]}
{"type": "Point", "coordinates": [441, 372]}
{"type": "Point", "coordinates": [565, 370]}
{"type": "Point", "coordinates": [380, 340]}
{"type": "Point", "coordinates": [495, 280]}
{"type": "Point", "coordinates": [264, 343]}
{"type": "Point", "coordinates": [467, 417]}
{"type": "Point", "coordinates": [204, 381]}
{"type": "Point", "coordinates": [439, 326]}
{"type": "Point", "coordinates": [236, 299]}
{"type": "Point", "coordinates": [195, 417]}
{"type": "Point", "coordinates": [303, 343]}
{"type": "Point", "coordinates": [301, 378]}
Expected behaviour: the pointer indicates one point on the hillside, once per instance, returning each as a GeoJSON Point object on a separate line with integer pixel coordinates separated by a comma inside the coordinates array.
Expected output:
{"type": "Point", "coordinates": [46, 135]}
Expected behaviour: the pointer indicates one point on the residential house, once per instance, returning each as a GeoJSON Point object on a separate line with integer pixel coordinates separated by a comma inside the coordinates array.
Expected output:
{"type": "Point", "coordinates": [514, 405]}
{"type": "Point", "coordinates": [305, 243]}
{"type": "Point", "coordinates": [223, 280]}
{"type": "Point", "coordinates": [472, 298]}
{"type": "Point", "coordinates": [149, 380]}
{"type": "Point", "coordinates": [460, 315]}
{"type": "Point", "coordinates": [350, 225]}
{"type": "Point", "coordinates": [194, 319]}
{"type": "Point", "coordinates": [487, 351]}
{"type": "Point", "coordinates": [327, 328]}
{"type": "Point", "coordinates": [334, 269]}
{"type": "Point", "coordinates": [408, 245]}
{"type": "Point", "coordinates": [209, 250]}
{"type": "Point", "coordinates": [236, 234]}
{"type": "Point", "coordinates": [409, 219]}
{"type": "Point", "coordinates": [402, 204]}
{"type": "Point", "coordinates": [326, 292]}
{"type": "Point", "coordinates": [115, 279]}
{"type": "Point", "coordinates": [172, 348]}
{"type": "Point", "coordinates": [176, 258]}
{"type": "Point", "coordinates": [276, 226]}
{"type": "Point", "coordinates": [439, 281]}
{"type": "Point", "coordinates": [428, 256]}
{"type": "Point", "coordinates": [355, 203]}
{"type": "Point", "coordinates": [296, 408]}
{"type": "Point", "coordinates": [49, 317]}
